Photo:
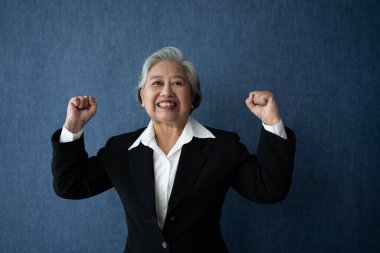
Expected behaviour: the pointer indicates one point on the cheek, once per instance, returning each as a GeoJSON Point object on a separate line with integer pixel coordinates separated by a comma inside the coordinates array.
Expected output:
{"type": "Point", "coordinates": [146, 96]}
{"type": "Point", "coordinates": [189, 96]}
{"type": "Point", "coordinates": [187, 100]}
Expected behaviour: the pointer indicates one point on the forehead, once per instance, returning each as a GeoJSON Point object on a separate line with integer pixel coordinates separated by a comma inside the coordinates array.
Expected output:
{"type": "Point", "coordinates": [167, 68]}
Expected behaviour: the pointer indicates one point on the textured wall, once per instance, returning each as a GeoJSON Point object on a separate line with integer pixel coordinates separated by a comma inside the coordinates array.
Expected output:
{"type": "Point", "coordinates": [320, 58]}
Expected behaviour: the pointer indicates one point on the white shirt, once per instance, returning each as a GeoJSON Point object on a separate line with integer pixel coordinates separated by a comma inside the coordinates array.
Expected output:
{"type": "Point", "coordinates": [165, 166]}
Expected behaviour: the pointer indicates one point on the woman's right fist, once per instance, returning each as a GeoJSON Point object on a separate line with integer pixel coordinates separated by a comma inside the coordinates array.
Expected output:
{"type": "Point", "coordinates": [79, 111]}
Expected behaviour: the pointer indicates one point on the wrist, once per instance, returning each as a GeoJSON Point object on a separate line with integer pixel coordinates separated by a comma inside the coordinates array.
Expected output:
{"type": "Point", "coordinates": [271, 121]}
{"type": "Point", "coordinates": [67, 136]}
{"type": "Point", "coordinates": [72, 126]}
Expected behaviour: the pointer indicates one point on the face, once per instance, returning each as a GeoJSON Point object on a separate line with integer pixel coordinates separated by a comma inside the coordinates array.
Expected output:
{"type": "Point", "coordinates": [166, 95]}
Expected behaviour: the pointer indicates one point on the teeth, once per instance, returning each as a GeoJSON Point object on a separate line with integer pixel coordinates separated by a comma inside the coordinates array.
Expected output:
{"type": "Point", "coordinates": [166, 104]}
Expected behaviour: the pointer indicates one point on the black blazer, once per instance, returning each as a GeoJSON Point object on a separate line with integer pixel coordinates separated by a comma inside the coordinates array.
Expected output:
{"type": "Point", "coordinates": [206, 170]}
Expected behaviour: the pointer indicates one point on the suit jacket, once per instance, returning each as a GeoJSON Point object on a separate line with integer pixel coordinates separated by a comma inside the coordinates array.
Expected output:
{"type": "Point", "coordinates": [206, 170]}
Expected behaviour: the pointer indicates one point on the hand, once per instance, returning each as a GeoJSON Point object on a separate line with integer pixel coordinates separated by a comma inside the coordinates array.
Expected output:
{"type": "Point", "coordinates": [263, 105]}
{"type": "Point", "coordinates": [79, 111]}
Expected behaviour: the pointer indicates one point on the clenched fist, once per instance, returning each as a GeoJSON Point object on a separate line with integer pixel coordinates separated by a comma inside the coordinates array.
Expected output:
{"type": "Point", "coordinates": [79, 111]}
{"type": "Point", "coordinates": [263, 105]}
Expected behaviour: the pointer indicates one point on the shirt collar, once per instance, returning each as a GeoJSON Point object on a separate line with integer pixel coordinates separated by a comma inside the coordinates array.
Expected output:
{"type": "Point", "coordinates": [192, 129]}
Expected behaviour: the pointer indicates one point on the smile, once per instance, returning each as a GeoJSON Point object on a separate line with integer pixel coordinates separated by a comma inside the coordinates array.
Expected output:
{"type": "Point", "coordinates": [166, 104]}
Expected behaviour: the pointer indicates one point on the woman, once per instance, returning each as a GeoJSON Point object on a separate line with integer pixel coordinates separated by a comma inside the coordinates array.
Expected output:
{"type": "Point", "coordinates": [172, 176]}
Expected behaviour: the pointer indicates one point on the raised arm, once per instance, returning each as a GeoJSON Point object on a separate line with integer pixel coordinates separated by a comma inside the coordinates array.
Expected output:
{"type": "Point", "coordinates": [76, 175]}
{"type": "Point", "coordinates": [266, 177]}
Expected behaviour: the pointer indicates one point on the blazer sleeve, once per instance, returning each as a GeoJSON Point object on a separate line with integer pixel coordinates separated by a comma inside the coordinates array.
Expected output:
{"type": "Point", "coordinates": [265, 177]}
{"type": "Point", "coordinates": [75, 174]}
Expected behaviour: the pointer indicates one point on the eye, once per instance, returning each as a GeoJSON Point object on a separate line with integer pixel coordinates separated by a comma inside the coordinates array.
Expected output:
{"type": "Point", "coordinates": [156, 83]}
{"type": "Point", "coordinates": [177, 83]}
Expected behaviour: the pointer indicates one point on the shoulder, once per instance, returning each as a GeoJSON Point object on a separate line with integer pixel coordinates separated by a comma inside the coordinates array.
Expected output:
{"type": "Point", "coordinates": [220, 132]}
{"type": "Point", "coordinates": [126, 138]}
{"type": "Point", "coordinates": [224, 135]}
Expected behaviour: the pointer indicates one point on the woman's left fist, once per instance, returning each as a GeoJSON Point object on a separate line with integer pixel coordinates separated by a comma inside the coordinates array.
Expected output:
{"type": "Point", "coordinates": [263, 105]}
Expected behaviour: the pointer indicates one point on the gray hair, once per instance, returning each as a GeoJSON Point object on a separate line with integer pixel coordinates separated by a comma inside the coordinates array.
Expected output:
{"type": "Point", "coordinates": [175, 55]}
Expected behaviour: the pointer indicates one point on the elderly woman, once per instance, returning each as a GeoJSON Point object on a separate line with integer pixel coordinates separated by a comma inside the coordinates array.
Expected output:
{"type": "Point", "coordinates": [173, 175]}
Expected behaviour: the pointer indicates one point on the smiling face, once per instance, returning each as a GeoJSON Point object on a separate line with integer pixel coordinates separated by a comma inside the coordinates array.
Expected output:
{"type": "Point", "coordinates": [166, 95]}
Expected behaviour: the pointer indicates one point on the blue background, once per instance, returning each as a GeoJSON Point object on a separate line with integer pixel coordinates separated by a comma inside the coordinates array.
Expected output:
{"type": "Point", "coordinates": [320, 58]}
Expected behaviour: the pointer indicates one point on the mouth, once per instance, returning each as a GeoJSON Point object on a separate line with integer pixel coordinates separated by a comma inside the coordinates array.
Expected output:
{"type": "Point", "coordinates": [167, 105]}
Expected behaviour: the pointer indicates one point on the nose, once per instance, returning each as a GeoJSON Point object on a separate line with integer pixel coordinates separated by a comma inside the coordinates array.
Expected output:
{"type": "Point", "coordinates": [167, 90]}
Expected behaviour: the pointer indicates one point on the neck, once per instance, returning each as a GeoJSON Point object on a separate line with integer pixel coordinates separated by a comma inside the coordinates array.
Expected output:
{"type": "Point", "coordinates": [167, 135]}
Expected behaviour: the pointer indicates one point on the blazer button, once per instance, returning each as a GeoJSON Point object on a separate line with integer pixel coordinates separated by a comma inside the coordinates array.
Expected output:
{"type": "Point", "coordinates": [172, 218]}
{"type": "Point", "coordinates": [164, 245]}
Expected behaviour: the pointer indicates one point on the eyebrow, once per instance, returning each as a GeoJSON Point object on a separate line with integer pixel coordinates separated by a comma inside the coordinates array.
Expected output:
{"type": "Point", "coordinates": [158, 76]}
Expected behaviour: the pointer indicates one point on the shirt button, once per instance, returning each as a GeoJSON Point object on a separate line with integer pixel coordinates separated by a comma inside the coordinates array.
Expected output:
{"type": "Point", "coordinates": [164, 245]}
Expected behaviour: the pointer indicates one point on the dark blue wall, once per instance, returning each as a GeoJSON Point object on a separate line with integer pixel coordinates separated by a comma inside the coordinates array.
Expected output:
{"type": "Point", "coordinates": [321, 59]}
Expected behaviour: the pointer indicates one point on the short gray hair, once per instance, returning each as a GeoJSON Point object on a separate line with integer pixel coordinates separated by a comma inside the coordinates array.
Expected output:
{"type": "Point", "coordinates": [175, 55]}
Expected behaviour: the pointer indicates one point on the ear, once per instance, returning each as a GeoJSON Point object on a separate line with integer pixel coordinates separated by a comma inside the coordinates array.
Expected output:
{"type": "Point", "coordinates": [192, 100]}
{"type": "Point", "coordinates": [141, 94]}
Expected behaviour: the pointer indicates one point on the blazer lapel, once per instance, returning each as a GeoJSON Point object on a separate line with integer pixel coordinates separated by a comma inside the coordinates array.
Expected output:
{"type": "Point", "coordinates": [140, 160]}
{"type": "Point", "coordinates": [189, 167]}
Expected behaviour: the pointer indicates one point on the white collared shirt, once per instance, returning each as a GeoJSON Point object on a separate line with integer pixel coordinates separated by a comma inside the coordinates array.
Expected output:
{"type": "Point", "coordinates": [165, 166]}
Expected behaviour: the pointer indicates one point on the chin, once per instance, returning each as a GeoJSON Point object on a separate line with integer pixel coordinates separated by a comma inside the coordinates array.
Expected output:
{"type": "Point", "coordinates": [170, 118]}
